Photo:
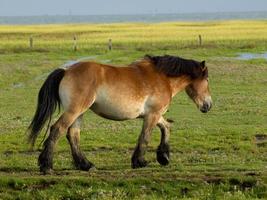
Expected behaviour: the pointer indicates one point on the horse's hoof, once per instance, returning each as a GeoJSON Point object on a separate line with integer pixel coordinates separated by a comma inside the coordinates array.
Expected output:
{"type": "Point", "coordinates": [85, 166]}
{"type": "Point", "coordinates": [45, 167]}
{"type": "Point", "coordinates": [163, 159]}
{"type": "Point", "coordinates": [139, 164]}
{"type": "Point", "coordinates": [45, 163]}
{"type": "Point", "coordinates": [46, 171]}
{"type": "Point", "coordinates": [163, 155]}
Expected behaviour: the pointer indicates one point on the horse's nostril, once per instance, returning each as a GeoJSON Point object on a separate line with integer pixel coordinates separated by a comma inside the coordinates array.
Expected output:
{"type": "Point", "coordinates": [205, 108]}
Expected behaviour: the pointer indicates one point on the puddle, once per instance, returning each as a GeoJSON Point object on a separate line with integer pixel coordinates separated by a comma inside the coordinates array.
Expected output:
{"type": "Point", "coordinates": [89, 58]}
{"type": "Point", "coordinates": [106, 61]}
{"type": "Point", "coordinates": [250, 56]}
{"type": "Point", "coordinates": [18, 85]}
{"type": "Point", "coordinates": [72, 62]}
{"type": "Point", "coordinates": [68, 64]}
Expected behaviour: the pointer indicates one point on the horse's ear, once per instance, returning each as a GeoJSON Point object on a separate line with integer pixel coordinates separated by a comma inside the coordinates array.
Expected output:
{"type": "Point", "coordinates": [203, 65]}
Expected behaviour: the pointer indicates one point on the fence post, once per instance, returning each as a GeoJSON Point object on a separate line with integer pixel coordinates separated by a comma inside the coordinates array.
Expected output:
{"type": "Point", "coordinates": [110, 44]}
{"type": "Point", "coordinates": [31, 42]}
{"type": "Point", "coordinates": [75, 43]}
{"type": "Point", "coordinates": [200, 40]}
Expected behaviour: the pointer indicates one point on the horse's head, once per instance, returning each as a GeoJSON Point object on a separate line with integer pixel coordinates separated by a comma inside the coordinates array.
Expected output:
{"type": "Point", "coordinates": [198, 90]}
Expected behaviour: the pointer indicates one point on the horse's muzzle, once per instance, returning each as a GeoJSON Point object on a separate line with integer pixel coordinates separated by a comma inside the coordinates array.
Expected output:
{"type": "Point", "coordinates": [206, 107]}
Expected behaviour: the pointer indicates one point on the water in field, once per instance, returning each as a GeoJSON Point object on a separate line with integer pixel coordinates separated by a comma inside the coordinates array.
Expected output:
{"type": "Point", "coordinates": [69, 63]}
{"type": "Point", "coordinates": [72, 62]}
{"type": "Point", "coordinates": [250, 56]}
{"type": "Point", "coordinates": [47, 19]}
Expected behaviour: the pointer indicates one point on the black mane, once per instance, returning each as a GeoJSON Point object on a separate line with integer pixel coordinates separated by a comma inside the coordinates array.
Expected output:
{"type": "Point", "coordinates": [176, 66]}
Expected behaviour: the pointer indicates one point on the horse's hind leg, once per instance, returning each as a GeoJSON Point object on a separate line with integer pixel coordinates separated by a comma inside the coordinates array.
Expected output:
{"type": "Point", "coordinates": [138, 160]}
{"type": "Point", "coordinates": [73, 137]}
{"type": "Point", "coordinates": [163, 151]}
{"type": "Point", "coordinates": [58, 129]}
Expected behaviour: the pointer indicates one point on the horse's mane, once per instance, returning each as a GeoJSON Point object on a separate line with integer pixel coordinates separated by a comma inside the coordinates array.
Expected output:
{"type": "Point", "coordinates": [176, 66]}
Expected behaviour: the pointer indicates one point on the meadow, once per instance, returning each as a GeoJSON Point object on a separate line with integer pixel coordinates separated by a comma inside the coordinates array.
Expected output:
{"type": "Point", "coordinates": [218, 155]}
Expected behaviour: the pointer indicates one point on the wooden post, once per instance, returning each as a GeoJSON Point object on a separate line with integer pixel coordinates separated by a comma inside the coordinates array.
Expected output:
{"type": "Point", "coordinates": [110, 44]}
{"type": "Point", "coordinates": [31, 42]}
{"type": "Point", "coordinates": [75, 43]}
{"type": "Point", "coordinates": [200, 40]}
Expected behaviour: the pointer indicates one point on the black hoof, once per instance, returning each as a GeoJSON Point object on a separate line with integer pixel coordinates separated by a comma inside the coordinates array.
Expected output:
{"type": "Point", "coordinates": [46, 171]}
{"type": "Point", "coordinates": [45, 167]}
{"type": "Point", "coordinates": [45, 163]}
{"type": "Point", "coordinates": [139, 163]}
{"type": "Point", "coordinates": [163, 154]}
{"type": "Point", "coordinates": [84, 165]}
{"type": "Point", "coordinates": [137, 159]}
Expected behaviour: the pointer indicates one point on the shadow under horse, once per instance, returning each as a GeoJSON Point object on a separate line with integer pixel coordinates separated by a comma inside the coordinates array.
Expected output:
{"type": "Point", "coordinates": [143, 89]}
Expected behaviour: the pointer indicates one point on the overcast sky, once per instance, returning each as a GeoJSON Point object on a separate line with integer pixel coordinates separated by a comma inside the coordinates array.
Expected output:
{"type": "Point", "coordinates": [93, 7]}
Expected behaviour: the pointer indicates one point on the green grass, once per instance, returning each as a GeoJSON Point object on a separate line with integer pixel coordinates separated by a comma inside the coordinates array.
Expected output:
{"type": "Point", "coordinates": [213, 156]}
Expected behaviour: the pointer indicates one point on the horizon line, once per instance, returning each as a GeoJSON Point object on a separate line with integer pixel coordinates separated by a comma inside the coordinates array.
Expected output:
{"type": "Point", "coordinates": [132, 14]}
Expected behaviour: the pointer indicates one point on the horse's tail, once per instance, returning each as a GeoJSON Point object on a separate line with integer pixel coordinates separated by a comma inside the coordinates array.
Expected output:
{"type": "Point", "coordinates": [48, 101]}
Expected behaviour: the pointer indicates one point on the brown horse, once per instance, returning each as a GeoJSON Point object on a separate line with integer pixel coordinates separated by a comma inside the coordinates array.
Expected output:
{"type": "Point", "coordinates": [144, 89]}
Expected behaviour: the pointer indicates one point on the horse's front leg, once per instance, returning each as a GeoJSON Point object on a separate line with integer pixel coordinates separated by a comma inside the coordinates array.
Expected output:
{"type": "Point", "coordinates": [163, 151]}
{"type": "Point", "coordinates": [138, 160]}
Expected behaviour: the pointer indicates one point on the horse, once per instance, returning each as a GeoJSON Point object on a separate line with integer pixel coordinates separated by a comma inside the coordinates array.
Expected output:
{"type": "Point", "coordinates": [143, 89]}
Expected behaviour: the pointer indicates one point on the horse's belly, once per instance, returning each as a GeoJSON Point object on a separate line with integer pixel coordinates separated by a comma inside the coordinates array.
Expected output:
{"type": "Point", "coordinates": [115, 111]}
{"type": "Point", "coordinates": [118, 107]}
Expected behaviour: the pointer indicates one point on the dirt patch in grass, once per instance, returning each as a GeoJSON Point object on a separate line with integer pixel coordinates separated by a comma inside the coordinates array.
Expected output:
{"type": "Point", "coordinates": [243, 185]}
{"type": "Point", "coordinates": [261, 140]}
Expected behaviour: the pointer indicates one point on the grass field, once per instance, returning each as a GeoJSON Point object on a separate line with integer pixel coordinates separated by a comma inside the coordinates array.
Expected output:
{"type": "Point", "coordinates": [219, 155]}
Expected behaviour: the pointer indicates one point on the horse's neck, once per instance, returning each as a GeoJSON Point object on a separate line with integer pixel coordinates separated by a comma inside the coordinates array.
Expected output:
{"type": "Point", "coordinates": [178, 84]}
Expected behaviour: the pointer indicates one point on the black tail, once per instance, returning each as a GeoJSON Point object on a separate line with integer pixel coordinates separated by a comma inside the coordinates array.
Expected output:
{"type": "Point", "coordinates": [48, 101]}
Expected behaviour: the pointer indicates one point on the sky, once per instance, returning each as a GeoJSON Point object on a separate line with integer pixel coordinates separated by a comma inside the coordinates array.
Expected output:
{"type": "Point", "coordinates": [103, 7]}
